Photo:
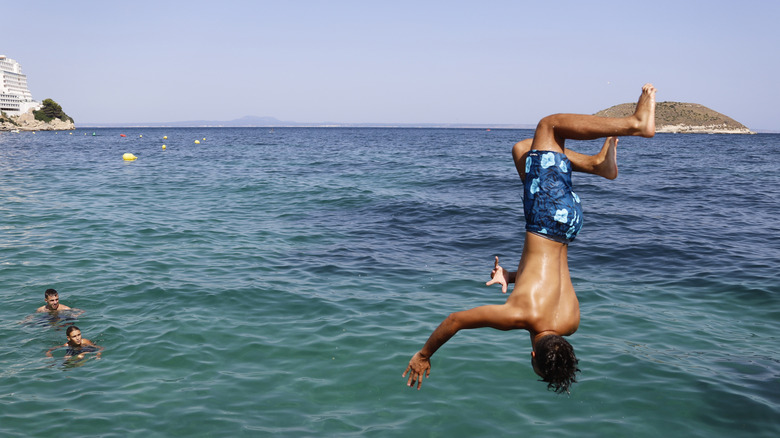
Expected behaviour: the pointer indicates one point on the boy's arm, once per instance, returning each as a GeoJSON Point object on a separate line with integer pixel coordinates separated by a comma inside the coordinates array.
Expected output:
{"type": "Point", "coordinates": [48, 353]}
{"type": "Point", "coordinates": [501, 317]}
{"type": "Point", "coordinates": [91, 344]}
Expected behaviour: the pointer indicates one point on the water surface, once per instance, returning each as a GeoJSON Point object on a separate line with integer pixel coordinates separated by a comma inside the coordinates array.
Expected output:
{"type": "Point", "coordinates": [277, 283]}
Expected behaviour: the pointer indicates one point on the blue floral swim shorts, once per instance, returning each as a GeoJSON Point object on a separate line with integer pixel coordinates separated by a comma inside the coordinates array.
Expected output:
{"type": "Point", "coordinates": [552, 209]}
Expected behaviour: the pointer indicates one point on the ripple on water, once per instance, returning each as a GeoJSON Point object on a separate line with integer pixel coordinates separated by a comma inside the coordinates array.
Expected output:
{"type": "Point", "coordinates": [264, 293]}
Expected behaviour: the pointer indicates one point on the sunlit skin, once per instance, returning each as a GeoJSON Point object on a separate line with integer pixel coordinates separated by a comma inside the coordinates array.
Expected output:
{"type": "Point", "coordinates": [543, 301]}
{"type": "Point", "coordinates": [52, 305]}
{"type": "Point", "coordinates": [76, 342]}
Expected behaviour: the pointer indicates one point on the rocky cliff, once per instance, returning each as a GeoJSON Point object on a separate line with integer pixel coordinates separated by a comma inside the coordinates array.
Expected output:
{"type": "Point", "coordinates": [680, 117]}
{"type": "Point", "coordinates": [27, 122]}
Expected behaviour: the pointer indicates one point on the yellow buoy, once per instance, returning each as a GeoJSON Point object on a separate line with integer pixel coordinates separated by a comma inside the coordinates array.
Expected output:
{"type": "Point", "coordinates": [165, 137]}
{"type": "Point", "coordinates": [129, 157]}
{"type": "Point", "coordinates": [163, 147]}
{"type": "Point", "coordinates": [141, 136]}
{"type": "Point", "coordinates": [197, 142]}
{"type": "Point", "coordinates": [204, 138]}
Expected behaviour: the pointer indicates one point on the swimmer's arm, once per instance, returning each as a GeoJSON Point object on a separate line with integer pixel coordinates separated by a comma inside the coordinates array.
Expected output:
{"type": "Point", "coordinates": [48, 353]}
{"type": "Point", "coordinates": [497, 316]}
{"type": "Point", "coordinates": [501, 317]}
{"type": "Point", "coordinates": [91, 344]}
{"type": "Point", "coordinates": [41, 309]}
{"type": "Point", "coordinates": [75, 313]}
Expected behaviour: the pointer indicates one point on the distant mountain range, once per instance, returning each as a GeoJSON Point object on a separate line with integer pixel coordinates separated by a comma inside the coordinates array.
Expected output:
{"type": "Point", "coordinates": [272, 122]}
{"type": "Point", "coordinates": [244, 121]}
{"type": "Point", "coordinates": [676, 117]}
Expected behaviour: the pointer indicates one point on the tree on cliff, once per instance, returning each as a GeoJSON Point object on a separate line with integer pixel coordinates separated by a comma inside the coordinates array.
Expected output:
{"type": "Point", "coordinates": [51, 110]}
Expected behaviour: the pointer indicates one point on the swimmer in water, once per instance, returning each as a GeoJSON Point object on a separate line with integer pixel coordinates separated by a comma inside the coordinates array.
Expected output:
{"type": "Point", "coordinates": [52, 299]}
{"type": "Point", "coordinates": [543, 301]}
{"type": "Point", "coordinates": [76, 345]}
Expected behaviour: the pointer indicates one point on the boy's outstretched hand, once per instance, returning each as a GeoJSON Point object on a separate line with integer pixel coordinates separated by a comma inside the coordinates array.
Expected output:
{"type": "Point", "coordinates": [419, 365]}
{"type": "Point", "coordinates": [498, 275]}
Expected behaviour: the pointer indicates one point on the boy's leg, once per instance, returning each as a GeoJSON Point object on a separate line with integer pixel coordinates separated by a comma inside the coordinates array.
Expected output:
{"type": "Point", "coordinates": [519, 154]}
{"type": "Point", "coordinates": [603, 163]}
{"type": "Point", "coordinates": [554, 130]}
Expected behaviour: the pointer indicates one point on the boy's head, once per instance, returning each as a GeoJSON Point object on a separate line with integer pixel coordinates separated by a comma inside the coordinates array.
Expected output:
{"type": "Point", "coordinates": [554, 361]}
{"type": "Point", "coordinates": [52, 299]}
{"type": "Point", "coordinates": [74, 335]}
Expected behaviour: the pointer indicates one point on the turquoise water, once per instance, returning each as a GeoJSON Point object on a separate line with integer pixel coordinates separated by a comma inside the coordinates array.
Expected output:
{"type": "Point", "coordinates": [276, 283]}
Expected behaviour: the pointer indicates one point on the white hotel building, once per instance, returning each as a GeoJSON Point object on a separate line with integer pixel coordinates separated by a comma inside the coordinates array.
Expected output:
{"type": "Point", "coordinates": [15, 98]}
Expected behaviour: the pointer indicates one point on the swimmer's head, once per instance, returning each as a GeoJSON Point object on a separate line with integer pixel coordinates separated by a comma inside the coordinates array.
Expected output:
{"type": "Point", "coordinates": [554, 361]}
{"type": "Point", "coordinates": [52, 299]}
{"type": "Point", "coordinates": [74, 335]}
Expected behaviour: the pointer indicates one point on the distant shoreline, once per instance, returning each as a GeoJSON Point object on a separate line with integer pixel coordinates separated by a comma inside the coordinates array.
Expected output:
{"type": "Point", "coordinates": [664, 122]}
{"type": "Point", "coordinates": [309, 125]}
{"type": "Point", "coordinates": [670, 117]}
{"type": "Point", "coordinates": [370, 125]}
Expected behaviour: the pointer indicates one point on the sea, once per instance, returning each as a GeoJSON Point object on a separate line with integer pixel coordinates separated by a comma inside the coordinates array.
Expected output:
{"type": "Point", "coordinates": [252, 282]}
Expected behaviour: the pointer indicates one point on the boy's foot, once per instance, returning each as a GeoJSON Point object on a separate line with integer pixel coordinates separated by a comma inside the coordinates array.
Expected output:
{"type": "Point", "coordinates": [608, 166]}
{"type": "Point", "coordinates": [645, 111]}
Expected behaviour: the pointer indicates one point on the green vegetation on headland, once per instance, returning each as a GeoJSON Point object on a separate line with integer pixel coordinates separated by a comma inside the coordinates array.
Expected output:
{"type": "Point", "coordinates": [680, 117]}
{"type": "Point", "coordinates": [5, 118]}
{"type": "Point", "coordinates": [51, 110]}
{"type": "Point", "coordinates": [50, 117]}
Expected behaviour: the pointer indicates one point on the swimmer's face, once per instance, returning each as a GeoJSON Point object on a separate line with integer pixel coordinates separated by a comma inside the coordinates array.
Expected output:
{"type": "Point", "coordinates": [53, 302]}
{"type": "Point", "coordinates": [533, 363]}
{"type": "Point", "coordinates": [74, 338]}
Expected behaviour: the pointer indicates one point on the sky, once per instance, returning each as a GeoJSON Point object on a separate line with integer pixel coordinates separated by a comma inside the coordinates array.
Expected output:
{"type": "Point", "coordinates": [481, 62]}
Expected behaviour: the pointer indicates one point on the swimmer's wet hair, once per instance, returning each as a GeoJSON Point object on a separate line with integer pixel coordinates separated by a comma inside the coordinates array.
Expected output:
{"type": "Point", "coordinates": [556, 360]}
{"type": "Point", "coordinates": [50, 292]}
{"type": "Point", "coordinates": [71, 329]}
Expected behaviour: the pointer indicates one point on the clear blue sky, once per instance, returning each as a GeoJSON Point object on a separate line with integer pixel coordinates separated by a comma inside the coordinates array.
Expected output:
{"type": "Point", "coordinates": [502, 62]}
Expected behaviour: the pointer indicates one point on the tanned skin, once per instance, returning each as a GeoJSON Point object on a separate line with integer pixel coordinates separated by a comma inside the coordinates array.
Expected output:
{"type": "Point", "coordinates": [543, 301]}
{"type": "Point", "coordinates": [76, 342]}
{"type": "Point", "coordinates": [52, 304]}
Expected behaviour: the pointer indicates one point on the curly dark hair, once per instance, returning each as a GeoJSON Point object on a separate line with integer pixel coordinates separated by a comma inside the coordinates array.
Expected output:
{"type": "Point", "coordinates": [557, 363]}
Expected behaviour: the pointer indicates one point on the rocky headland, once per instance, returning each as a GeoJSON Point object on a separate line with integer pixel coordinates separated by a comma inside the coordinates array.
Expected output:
{"type": "Point", "coordinates": [683, 118]}
{"type": "Point", "coordinates": [49, 117]}
{"type": "Point", "coordinates": [27, 122]}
